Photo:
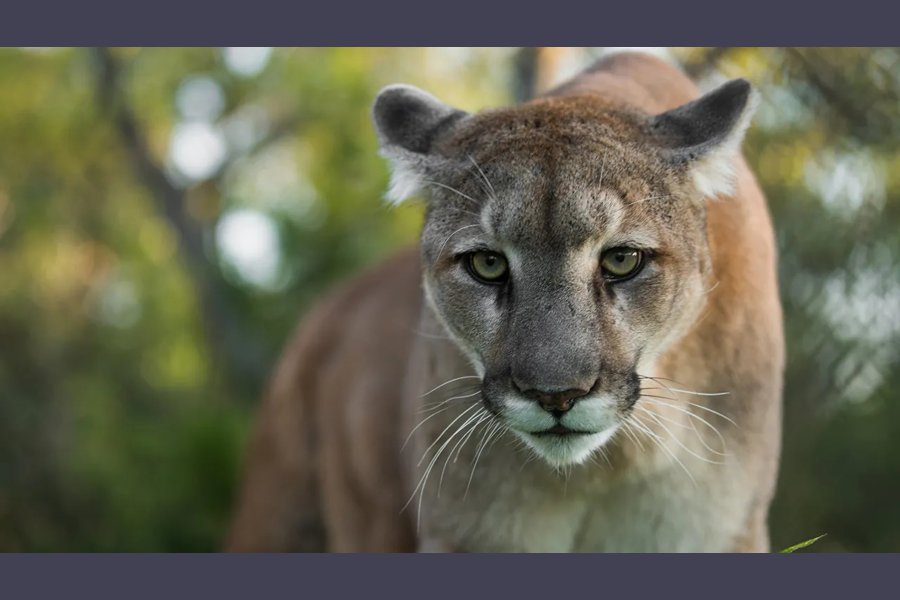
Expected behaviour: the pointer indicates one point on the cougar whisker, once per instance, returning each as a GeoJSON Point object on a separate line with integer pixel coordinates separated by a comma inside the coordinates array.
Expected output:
{"type": "Point", "coordinates": [434, 412]}
{"type": "Point", "coordinates": [655, 437]}
{"type": "Point", "coordinates": [444, 245]}
{"type": "Point", "coordinates": [493, 429]}
{"type": "Point", "coordinates": [474, 420]}
{"type": "Point", "coordinates": [691, 415]}
{"type": "Point", "coordinates": [449, 382]}
{"type": "Point", "coordinates": [678, 441]}
{"type": "Point", "coordinates": [493, 192]}
{"type": "Point", "coordinates": [454, 190]}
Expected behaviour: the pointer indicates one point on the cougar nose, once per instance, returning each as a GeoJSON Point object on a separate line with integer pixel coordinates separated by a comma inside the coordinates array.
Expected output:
{"type": "Point", "coordinates": [554, 402]}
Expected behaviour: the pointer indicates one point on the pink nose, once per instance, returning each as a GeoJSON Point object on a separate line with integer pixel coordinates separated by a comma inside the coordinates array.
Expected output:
{"type": "Point", "coordinates": [556, 402]}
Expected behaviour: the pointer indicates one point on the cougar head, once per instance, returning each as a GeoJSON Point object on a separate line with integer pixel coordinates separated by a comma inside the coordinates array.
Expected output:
{"type": "Point", "coordinates": [564, 246]}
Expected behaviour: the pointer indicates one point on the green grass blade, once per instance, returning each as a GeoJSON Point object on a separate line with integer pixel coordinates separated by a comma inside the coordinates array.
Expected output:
{"type": "Point", "coordinates": [802, 545]}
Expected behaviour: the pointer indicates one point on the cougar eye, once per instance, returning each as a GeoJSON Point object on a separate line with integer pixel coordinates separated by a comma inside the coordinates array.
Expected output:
{"type": "Point", "coordinates": [621, 263]}
{"type": "Point", "coordinates": [487, 267]}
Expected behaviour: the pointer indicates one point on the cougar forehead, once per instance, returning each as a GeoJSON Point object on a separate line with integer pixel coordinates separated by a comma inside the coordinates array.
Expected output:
{"type": "Point", "coordinates": [558, 174]}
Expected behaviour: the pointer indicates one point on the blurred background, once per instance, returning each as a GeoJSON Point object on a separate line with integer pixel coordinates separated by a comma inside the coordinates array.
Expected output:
{"type": "Point", "coordinates": [166, 216]}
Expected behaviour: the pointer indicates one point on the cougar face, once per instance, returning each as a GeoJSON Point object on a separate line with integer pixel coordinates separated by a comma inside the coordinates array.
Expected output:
{"type": "Point", "coordinates": [564, 246]}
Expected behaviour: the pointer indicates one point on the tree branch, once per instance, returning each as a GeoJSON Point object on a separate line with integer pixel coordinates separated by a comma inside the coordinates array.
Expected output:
{"type": "Point", "coordinates": [228, 337]}
{"type": "Point", "coordinates": [525, 66]}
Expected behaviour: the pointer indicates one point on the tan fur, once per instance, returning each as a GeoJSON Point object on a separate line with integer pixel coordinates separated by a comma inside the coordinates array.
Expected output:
{"type": "Point", "coordinates": [325, 471]}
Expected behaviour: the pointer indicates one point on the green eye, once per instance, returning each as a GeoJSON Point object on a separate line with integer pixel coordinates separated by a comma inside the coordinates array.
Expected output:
{"type": "Point", "coordinates": [621, 263]}
{"type": "Point", "coordinates": [487, 267]}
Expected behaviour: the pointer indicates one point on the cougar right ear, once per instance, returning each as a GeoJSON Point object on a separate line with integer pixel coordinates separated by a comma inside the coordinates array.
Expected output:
{"type": "Point", "coordinates": [408, 121]}
{"type": "Point", "coordinates": [705, 135]}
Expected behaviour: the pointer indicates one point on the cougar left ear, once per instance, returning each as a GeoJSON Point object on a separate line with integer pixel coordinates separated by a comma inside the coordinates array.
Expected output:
{"type": "Point", "coordinates": [706, 134]}
{"type": "Point", "coordinates": [408, 122]}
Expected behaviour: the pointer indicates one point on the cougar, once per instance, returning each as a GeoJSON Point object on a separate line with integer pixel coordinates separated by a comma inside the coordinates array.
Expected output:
{"type": "Point", "coordinates": [584, 353]}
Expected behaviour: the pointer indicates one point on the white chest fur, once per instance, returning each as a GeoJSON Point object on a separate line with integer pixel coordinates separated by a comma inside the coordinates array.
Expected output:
{"type": "Point", "coordinates": [511, 506]}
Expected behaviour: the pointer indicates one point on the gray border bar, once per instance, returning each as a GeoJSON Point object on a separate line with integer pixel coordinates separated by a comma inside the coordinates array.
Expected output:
{"type": "Point", "coordinates": [457, 22]}
{"type": "Point", "coordinates": [434, 577]}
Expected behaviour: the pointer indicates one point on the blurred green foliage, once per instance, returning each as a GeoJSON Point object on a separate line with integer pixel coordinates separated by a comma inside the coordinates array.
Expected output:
{"type": "Point", "coordinates": [135, 337]}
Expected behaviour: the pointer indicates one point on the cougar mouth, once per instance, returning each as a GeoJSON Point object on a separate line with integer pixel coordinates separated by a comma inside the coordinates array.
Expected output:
{"type": "Point", "coordinates": [560, 446]}
{"type": "Point", "coordinates": [560, 429]}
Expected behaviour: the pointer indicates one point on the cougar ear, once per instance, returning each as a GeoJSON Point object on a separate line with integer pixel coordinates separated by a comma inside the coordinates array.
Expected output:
{"type": "Point", "coordinates": [408, 121]}
{"type": "Point", "coordinates": [706, 135]}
